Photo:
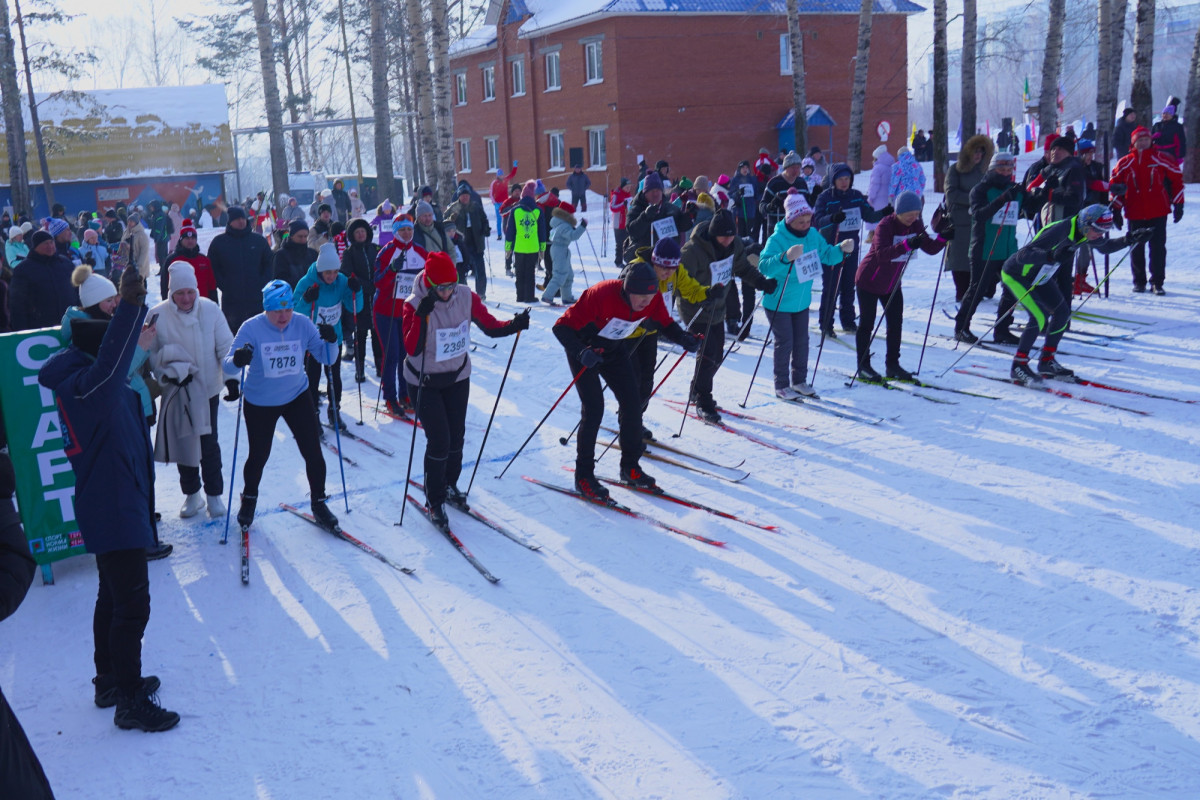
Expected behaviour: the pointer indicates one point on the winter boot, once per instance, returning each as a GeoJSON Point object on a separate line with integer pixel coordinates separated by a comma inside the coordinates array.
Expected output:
{"type": "Point", "coordinates": [633, 476]}
{"type": "Point", "coordinates": [216, 506]}
{"type": "Point", "coordinates": [1048, 367]}
{"type": "Point", "coordinates": [193, 505]}
{"type": "Point", "coordinates": [647, 434]}
{"type": "Point", "coordinates": [335, 419]}
{"type": "Point", "coordinates": [360, 375]}
{"type": "Point", "coordinates": [1158, 290]}
{"type": "Point", "coordinates": [590, 488]}
{"type": "Point", "coordinates": [867, 373]}
{"type": "Point", "coordinates": [829, 333]}
{"type": "Point", "coordinates": [731, 327]}
{"type": "Point", "coordinates": [456, 498]}
{"type": "Point", "coordinates": [394, 408]}
{"type": "Point", "coordinates": [850, 327]}
{"type": "Point", "coordinates": [323, 515]}
{"type": "Point", "coordinates": [1005, 337]}
{"type": "Point", "coordinates": [1022, 374]}
{"type": "Point", "coordinates": [898, 372]}
{"type": "Point", "coordinates": [107, 693]}
{"type": "Point", "coordinates": [965, 336]}
{"type": "Point", "coordinates": [158, 551]}
{"type": "Point", "coordinates": [437, 515]}
{"type": "Point", "coordinates": [142, 711]}
{"type": "Point", "coordinates": [245, 513]}
{"type": "Point", "coordinates": [1082, 287]}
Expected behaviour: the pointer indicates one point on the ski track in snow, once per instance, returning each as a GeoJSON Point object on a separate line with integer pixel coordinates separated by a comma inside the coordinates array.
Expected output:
{"type": "Point", "coordinates": [993, 599]}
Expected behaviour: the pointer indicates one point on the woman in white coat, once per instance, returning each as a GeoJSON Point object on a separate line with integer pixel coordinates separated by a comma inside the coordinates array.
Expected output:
{"type": "Point", "coordinates": [193, 338]}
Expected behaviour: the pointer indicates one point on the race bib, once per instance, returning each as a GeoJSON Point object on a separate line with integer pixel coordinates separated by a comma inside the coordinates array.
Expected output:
{"type": "Point", "coordinates": [664, 228]}
{"type": "Point", "coordinates": [330, 315]}
{"type": "Point", "coordinates": [281, 359]}
{"type": "Point", "coordinates": [1007, 215]}
{"type": "Point", "coordinates": [853, 220]}
{"type": "Point", "coordinates": [452, 342]}
{"type": "Point", "coordinates": [722, 270]}
{"type": "Point", "coordinates": [747, 190]}
{"type": "Point", "coordinates": [619, 328]}
{"type": "Point", "coordinates": [1045, 273]}
{"type": "Point", "coordinates": [898, 240]}
{"type": "Point", "coordinates": [808, 266]}
{"type": "Point", "coordinates": [404, 284]}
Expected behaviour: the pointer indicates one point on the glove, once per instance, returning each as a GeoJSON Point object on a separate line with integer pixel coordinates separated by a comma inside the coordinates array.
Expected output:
{"type": "Point", "coordinates": [590, 357]}
{"type": "Point", "coordinates": [1140, 235]}
{"type": "Point", "coordinates": [689, 341]}
{"type": "Point", "coordinates": [1049, 179]}
{"type": "Point", "coordinates": [888, 210]}
{"type": "Point", "coordinates": [133, 288]}
{"type": "Point", "coordinates": [793, 253]}
{"type": "Point", "coordinates": [1177, 212]}
{"type": "Point", "coordinates": [1117, 189]}
{"type": "Point", "coordinates": [310, 294]}
{"type": "Point", "coordinates": [944, 225]}
{"type": "Point", "coordinates": [583, 223]}
{"type": "Point", "coordinates": [768, 285]}
{"type": "Point", "coordinates": [233, 390]}
{"type": "Point", "coordinates": [837, 217]}
{"type": "Point", "coordinates": [918, 239]}
{"type": "Point", "coordinates": [514, 163]}
{"type": "Point", "coordinates": [716, 292]}
{"type": "Point", "coordinates": [846, 246]}
{"type": "Point", "coordinates": [395, 264]}
{"type": "Point", "coordinates": [327, 332]}
{"type": "Point", "coordinates": [425, 307]}
{"type": "Point", "coordinates": [90, 259]}
{"type": "Point", "coordinates": [354, 283]}
{"type": "Point", "coordinates": [519, 322]}
{"type": "Point", "coordinates": [186, 380]}
{"type": "Point", "coordinates": [1010, 193]}
{"type": "Point", "coordinates": [241, 356]}
{"type": "Point", "coordinates": [1118, 220]}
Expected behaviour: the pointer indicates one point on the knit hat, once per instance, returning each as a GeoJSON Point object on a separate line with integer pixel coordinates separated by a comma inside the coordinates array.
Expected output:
{"type": "Point", "coordinates": [386, 206]}
{"type": "Point", "coordinates": [38, 237]}
{"type": "Point", "coordinates": [567, 207]}
{"type": "Point", "coordinates": [624, 182]}
{"type": "Point", "coordinates": [321, 209]}
{"type": "Point", "coordinates": [462, 188]}
{"type": "Point", "coordinates": [808, 162]}
{"type": "Point", "coordinates": [426, 191]}
{"type": "Point", "coordinates": [439, 269]}
{"type": "Point", "coordinates": [1169, 109]}
{"type": "Point", "coordinates": [277, 296]}
{"type": "Point", "coordinates": [401, 221]}
{"type": "Point", "coordinates": [662, 162]}
{"type": "Point", "coordinates": [1063, 143]}
{"type": "Point", "coordinates": [92, 287]}
{"type": "Point", "coordinates": [722, 224]}
{"type": "Point", "coordinates": [792, 159]}
{"type": "Point", "coordinates": [539, 187]}
{"type": "Point", "coordinates": [666, 254]}
{"type": "Point", "coordinates": [795, 205]}
{"type": "Point", "coordinates": [704, 200]}
{"type": "Point", "coordinates": [1085, 146]}
{"type": "Point", "coordinates": [90, 236]}
{"type": "Point", "coordinates": [1140, 130]}
{"type": "Point", "coordinates": [27, 226]}
{"type": "Point", "coordinates": [683, 184]}
{"type": "Point", "coordinates": [181, 275]}
{"type": "Point", "coordinates": [424, 208]}
{"type": "Point", "coordinates": [235, 212]}
{"type": "Point", "coordinates": [762, 151]}
{"type": "Point", "coordinates": [15, 231]}
{"type": "Point", "coordinates": [327, 258]}
{"type": "Point", "coordinates": [188, 228]}
{"type": "Point", "coordinates": [297, 226]}
{"type": "Point", "coordinates": [702, 183]}
{"type": "Point", "coordinates": [1002, 159]}
{"type": "Point", "coordinates": [880, 152]}
{"type": "Point", "coordinates": [907, 201]}
{"type": "Point", "coordinates": [56, 226]}
{"type": "Point", "coordinates": [529, 189]}
{"type": "Point", "coordinates": [653, 181]}
{"type": "Point", "coordinates": [640, 278]}
{"type": "Point", "coordinates": [722, 179]}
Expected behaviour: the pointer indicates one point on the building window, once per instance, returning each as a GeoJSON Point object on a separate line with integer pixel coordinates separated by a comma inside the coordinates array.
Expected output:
{"type": "Point", "coordinates": [518, 77]}
{"type": "Point", "coordinates": [593, 64]}
{"type": "Point", "coordinates": [464, 155]}
{"type": "Point", "coordinates": [785, 54]}
{"type": "Point", "coordinates": [557, 152]}
{"type": "Point", "coordinates": [598, 147]}
{"type": "Point", "coordinates": [489, 83]}
{"type": "Point", "coordinates": [553, 81]}
{"type": "Point", "coordinates": [493, 153]}
{"type": "Point", "coordinates": [460, 88]}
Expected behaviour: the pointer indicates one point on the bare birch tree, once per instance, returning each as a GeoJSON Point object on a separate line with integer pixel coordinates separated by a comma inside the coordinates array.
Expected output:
{"type": "Point", "coordinates": [423, 89]}
{"type": "Point", "coordinates": [1110, 16]}
{"type": "Point", "coordinates": [385, 172]}
{"type": "Point", "coordinates": [270, 89]}
{"type": "Point", "coordinates": [799, 100]}
{"type": "Point", "coordinates": [970, 40]}
{"type": "Point", "coordinates": [1051, 67]}
{"type": "Point", "coordinates": [941, 69]}
{"type": "Point", "coordinates": [1191, 170]}
{"type": "Point", "coordinates": [14, 121]}
{"type": "Point", "coordinates": [1141, 89]}
{"type": "Point", "coordinates": [281, 22]}
{"type": "Point", "coordinates": [39, 142]}
{"type": "Point", "coordinates": [439, 37]}
{"type": "Point", "coordinates": [858, 95]}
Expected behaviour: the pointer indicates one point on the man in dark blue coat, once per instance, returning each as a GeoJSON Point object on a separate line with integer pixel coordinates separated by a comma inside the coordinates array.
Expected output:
{"type": "Point", "coordinates": [41, 290]}
{"type": "Point", "coordinates": [108, 445]}
{"type": "Point", "coordinates": [242, 263]}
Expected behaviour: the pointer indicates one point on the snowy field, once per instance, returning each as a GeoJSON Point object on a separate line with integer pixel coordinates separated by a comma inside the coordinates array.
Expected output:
{"type": "Point", "coordinates": [980, 598]}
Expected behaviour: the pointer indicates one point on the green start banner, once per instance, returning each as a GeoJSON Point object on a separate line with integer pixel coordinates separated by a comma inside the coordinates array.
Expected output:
{"type": "Point", "coordinates": [45, 480]}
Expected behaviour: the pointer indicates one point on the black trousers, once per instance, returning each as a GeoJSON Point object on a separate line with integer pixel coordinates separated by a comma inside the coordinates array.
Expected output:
{"type": "Point", "coordinates": [314, 370]}
{"type": "Point", "coordinates": [618, 371]}
{"type": "Point", "coordinates": [1158, 252]}
{"type": "Point", "coordinates": [739, 313]}
{"type": "Point", "coordinates": [473, 263]}
{"type": "Point", "coordinates": [210, 460]}
{"type": "Point", "coordinates": [893, 318]}
{"type": "Point", "coordinates": [361, 329]}
{"type": "Point", "coordinates": [708, 360]}
{"type": "Point", "coordinates": [119, 620]}
{"type": "Point", "coordinates": [443, 413]}
{"type": "Point", "coordinates": [301, 418]}
{"type": "Point", "coordinates": [525, 264]}
{"type": "Point", "coordinates": [644, 355]}
{"type": "Point", "coordinates": [984, 275]}
{"type": "Point", "coordinates": [618, 254]}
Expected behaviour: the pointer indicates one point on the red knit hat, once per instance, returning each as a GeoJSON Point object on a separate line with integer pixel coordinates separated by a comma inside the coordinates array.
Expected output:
{"type": "Point", "coordinates": [439, 269]}
{"type": "Point", "coordinates": [187, 228]}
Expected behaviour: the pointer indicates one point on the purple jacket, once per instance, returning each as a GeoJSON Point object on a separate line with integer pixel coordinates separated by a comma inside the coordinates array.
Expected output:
{"type": "Point", "coordinates": [881, 269]}
{"type": "Point", "coordinates": [881, 177]}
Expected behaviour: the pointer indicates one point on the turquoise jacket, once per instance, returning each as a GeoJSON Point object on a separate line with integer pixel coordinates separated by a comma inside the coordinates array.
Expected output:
{"type": "Point", "coordinates": [771, 264]}
{"type": "Point", "coordinates": [332, 296]}
{"type": "Point", "coordinates": [136, 381]}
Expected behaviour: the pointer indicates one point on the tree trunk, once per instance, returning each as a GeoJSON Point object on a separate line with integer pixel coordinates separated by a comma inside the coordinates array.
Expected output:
{"type": "Point", "coordinates": [1191, 166]}
{"type": "Point", "coordinates": [1141, 90]}
{"type": "Point", "coordinates": [33, 114]}
{"type": "Point", "coordinates": [293, 113]}
{"type": "Point", "coordinates": [385, 172]}
{"type": "Point", "coordinates": [941, 69]}
{"type": "Point", "coordinates": [439, 36]}
{"type": "Point", "coordinates": [14, 122]}
{"type": "Point", "coordinates": [1051, 68]}
{"type": "Point", "coordinates": [799, 101]}
{"type": "Point", "coordinates": [270, 86]}
{"type": "Point", "coordinates": [858, 95]}
{"type": "Point", "coordinates": [969, 57]}
{"type": "Point", "coordinates": [422, 87]}
{"type": "Point", "coordinates": [1106, 90]}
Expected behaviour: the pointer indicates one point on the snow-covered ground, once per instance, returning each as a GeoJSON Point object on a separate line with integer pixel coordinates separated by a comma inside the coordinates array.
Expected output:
{"type": "Point", "coordinates": [993, 598]}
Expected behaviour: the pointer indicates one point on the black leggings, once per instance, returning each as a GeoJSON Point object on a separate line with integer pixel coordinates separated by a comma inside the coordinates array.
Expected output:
{"type": "Point", "coordinates": [301, 418]}
{"type": "Point", "coordinates": [362, 327]}
{"type": "Point", "coordinates": [622, 380]}
{"type": "Point", "coordinates": [443, 414]}
{"type": "Point", "coordinates": [894, 319]}
{"type": "Point", "coordinates": [122, 611]}
{"type": "Point", "coordinates": [314, 368]}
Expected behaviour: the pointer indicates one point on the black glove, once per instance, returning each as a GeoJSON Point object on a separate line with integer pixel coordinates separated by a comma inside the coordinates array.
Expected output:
{"type": "Point", "coordinates": [90, 259]}
{"type": "Point", "coordinates": [918, 239]}
{"type": "Point", "coordinates": [241, 356]}
{"type": "Point", "coordinates": [768, 285]}
{"type": "Point", "coordinates": [186, 380]}
{"type": "Point", "coordinates": [354, 283]}
{"type": "Point", "coordinates": [233, 390]}
{"type": "Point", "coordinates": [425, 307]}
{"type": "Point", "coordinates": [888, 210]}
{"type": "Point", "coordinates": [1117, 189]}
{"type": "Point", "coordinates": [947, 231]}
{"type": "Point", "coordinates": [944, 225]}
{"type": "Point", "coordinates": [1139, 235]}
{"type": "Point", "coordinates": [590, 357]}
{"type": "Point", "coordinates": [311, 293]}
{"type": "Point", "coordinates": [1177, 212]}
{"type": "Point", "coordinates": [133, 288]}
{"type": "Point", "coordinates": [583, 223]}
{"type": "Point", "coordinates": [837, 217]}
{"type": "Point", "coordinates": [1050, 178]}
{"type": "Point", "coordinates": [716, 292]}
{"type": "Point", "coordinates": [1118, 220]}
{"type": "Point", "coordinates": [327, 332]}
{"type": "Point", "coordinates": [1010, 193]}
{"type": "Point", "coordinates": [519, 322]}
{"type": "Point", "coordinates": [689, 341]}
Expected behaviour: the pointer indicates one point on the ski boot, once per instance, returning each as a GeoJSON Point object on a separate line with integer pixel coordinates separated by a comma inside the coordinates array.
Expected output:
{"type": "Point", "coordinates": [1022, 374]}
{"type": "Point", "coordinates": [323, 515]}
{"type": "Point", "coordinates": [591, 489]}
{"type": "Point", "coordinates": [245, 514]}
{"type": "Point", "coordinates": [634, 477]}
{"type": "Point", "coordinates": [456, 498]}
{"type": "Point", "coordinates": [898, 372]}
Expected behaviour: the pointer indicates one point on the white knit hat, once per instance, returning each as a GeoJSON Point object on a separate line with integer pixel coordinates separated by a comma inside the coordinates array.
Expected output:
{"type": "Point", "coordinates": [327, 258]}
{"type": "Point", "coordinates": [880, 151]}
{"type": "Point", "coordinates": [181, 275]}
{"type": "Point", "coordinates": [794, 206]}
{"type": "Point", "coordinates": [15, 231]}
{"type": "Point", "coordinates": [92, 287]}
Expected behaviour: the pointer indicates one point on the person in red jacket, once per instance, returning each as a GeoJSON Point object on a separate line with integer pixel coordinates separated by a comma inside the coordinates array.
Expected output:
{"type": "Point", "coordinates": [186, 249]}
{"type": "Point", "coordinates": [595, 334]}
{"type": "Point", "coordinates": [500, 194]}
{"type": "Point", "coordinates": [618, 204]}
{"type": "Point", "coordinates": [396, 270]}
{"type": "Point", "coordinates": [1147, 186]}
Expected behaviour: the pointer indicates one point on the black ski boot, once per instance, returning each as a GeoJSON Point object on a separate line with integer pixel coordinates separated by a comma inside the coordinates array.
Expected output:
{"type": "Point", "coordinates": [245, 513]}
{"type": "Point", "coordinates": [867, 373]}
{"type": "Point", "coordinates": [590, 488]}
{"type": "Point", "coordinates": [1022, 374]}
{"type": "Point", "coordinates": [335, 419]}
{"type": "Point", "coordinates": [456, 498]}
{"type": "Point", "coordinates": [965, 336]}
{"type": "Point", "coordinates": [1048, 367]}
{"type": "Point", "coordinates": [107, 693]}
{"type": "Point", "coordinates": [706, 407]}
{"type": "Point", "coordinates": [142, 711]}
{"type": "Point", "coordinates": [437, 515]}
{"type": "Point", "coordinates": [322, 514]}
{"type": "Point", "coordinates": [898, 372]}
{"type": "Point", "coordinates": [1004, 337]}
{"type": "Point", "coordinates": [633, 476]}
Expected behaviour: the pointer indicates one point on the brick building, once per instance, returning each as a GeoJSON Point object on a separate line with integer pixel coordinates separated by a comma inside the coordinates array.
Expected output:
{"type": "Point", "coordinates": [703, 85]}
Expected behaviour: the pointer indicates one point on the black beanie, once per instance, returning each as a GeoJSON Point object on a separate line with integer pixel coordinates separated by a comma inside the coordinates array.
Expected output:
{"type": "Point", "coordinates": [235, 212]}
{"type": "Point", "coordinates": [297, 226]}
{"type": "Point", "coordinates": [39, 237]}
{"type": "Point", "coordinates": [1063, 143]}
{"type": "Point", "coordinates": [640, 279]}
{"type": "Point", "coordinates": [722, 224]}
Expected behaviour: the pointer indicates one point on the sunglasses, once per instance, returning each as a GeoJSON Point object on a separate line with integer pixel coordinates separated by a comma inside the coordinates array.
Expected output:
{"type": "Point", "coordinates": [442, 287]}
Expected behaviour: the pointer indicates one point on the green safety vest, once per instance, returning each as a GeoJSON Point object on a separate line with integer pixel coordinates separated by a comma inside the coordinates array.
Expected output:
{"type": "Point", "coordinates": [526, 224]}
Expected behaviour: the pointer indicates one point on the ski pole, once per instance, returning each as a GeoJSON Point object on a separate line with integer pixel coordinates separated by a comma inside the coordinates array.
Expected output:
{"type": "Point", "coordinates": [786, 279]}
{"type": "Point", "coordinates": [354, 302]}
{"type": "Point", "coordinates": [336, 418]}
{"type": "Point", "coordinates": [999, 319]}
{"type": "Point", "coordinates": [929, 322]}
{"type": "Point", "coordinates": [1105, 279]}
{"type": "Point", "coordinates": [882, 317]}
{"type": "Point", "coordinates": [652, 393]}
{"type": "Point", "coordinates": [412, 446]}
{"type": "Point", "coordinates": [529, 438]}
{"type": "Point", "coordinates": [237, 429]}
{"type": "Point", "coordinates": [599, 262]}
{"type": "Point", "coordinates": [579, 253]}
{"type": "Point", "coordinates": [695, 377]}
{"type": "Point", "coordinates": [735, 338]}
{"type": "Point", "coordinates": [488, 429]}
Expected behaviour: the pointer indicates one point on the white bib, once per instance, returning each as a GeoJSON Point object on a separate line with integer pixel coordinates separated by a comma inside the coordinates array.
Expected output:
{"type": "Point", "coordinates": [404, 284]}
{"type": "Point", "coordinates": [330, 315]}
{"type": "Point", "coordinates": [1045, 273]}
{"type": "Point", "coordinates": [664, 228]}
{"type": "Point", "coordinates": [808, 266]}
{"type": "Point", "coordinates": [452, 342]}
{"type": "Point", "coordinates": [747, 190]}
{"type": "Point", "coordinates": [898, 240]}
{"type": "Point", "coordinates": [722, 270]}
{"type": "Point", "coordinates": [1007, 215]}
{"type": "Point", "coordinates": [281, 359]}
{"type": "Point", "coordinates": [619, 328]}
{"type": "Point", "coordinates": [853, 220]}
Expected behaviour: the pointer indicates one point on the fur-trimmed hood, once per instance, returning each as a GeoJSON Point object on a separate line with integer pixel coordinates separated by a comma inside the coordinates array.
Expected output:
{"type": "Point", "coordinates": [559, 213]}
{"type": "Point", "coordinates": [979, 140]}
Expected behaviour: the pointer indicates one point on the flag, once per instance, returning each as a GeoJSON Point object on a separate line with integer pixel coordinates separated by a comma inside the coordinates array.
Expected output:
{"type": "Point", "coordinates": [1025, 94]}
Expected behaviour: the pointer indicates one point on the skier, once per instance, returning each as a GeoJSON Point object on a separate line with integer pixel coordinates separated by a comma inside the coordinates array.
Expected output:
{"type": "Point", "coordinates": [322, 295]}
{"type": "Point", "coordinates": [652, 218]}
{"type": "Point", "coordinates": [618, 206]}
{"type": "Point", "coordinates": [358, 260]}
{"type": "Point", "coordinates": [594, 333]}
{"type": "Point", "coordinates": [499, 193]}
{"type": "Point", "coordinates": [526, 234]}
{"type": "Point", "coordinates": [1097, 193]}
{"type": "Point", "coordinates": [396, 270]}
{"type": "Point", "coordinates": [437, 316]}
{"type": "Point", "coordinates": [1153, 188]}
{"type": "Point", "coordinates": [1169, 136]}
{"type": "Point", "coordinates": [770, 207]}
{"type": "Point", "coordinates": [273, 345]}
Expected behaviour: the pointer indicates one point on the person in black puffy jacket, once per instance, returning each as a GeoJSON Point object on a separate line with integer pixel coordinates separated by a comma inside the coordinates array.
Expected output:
{"type": "Point", "coordinates": [241, 262]}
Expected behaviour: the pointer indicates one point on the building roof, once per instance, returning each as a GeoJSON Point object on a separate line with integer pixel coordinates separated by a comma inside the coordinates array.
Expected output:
{"type": "Point", "coordinates": [814, 114]}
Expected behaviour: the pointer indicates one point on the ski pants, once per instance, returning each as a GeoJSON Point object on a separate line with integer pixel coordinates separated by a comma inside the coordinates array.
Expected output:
{"type": "Point", "coordinates": [443, 414]}
{"type": "Point", "coordinates": [314, 368]}
{"type": "Point", "coordinates": [1049, 311]}
{"type": "Point", "coordinates": [525, 264]}
{"type": "Point", "coordinates": [1158, 252]}
{"type": "Point", "coordinates": [622, 237]}
{"type": "Point", "coordinates": [499, 222]}
{"type": "Point", "coordinates": [210, 460]}
{"type": "Point", "coordinates": [644, 355]}
{"type": "Point", "coordinates": [984, 274]}
{"type": "Point", "coordinates": [790, 355]}
{"type": "Point", "coordinates": [893, 305]}
{"type": "Point", "coordinates": [361, 329]}
{"type": "Point", "coordinates": [708, 361]}
{"type": "Point", "coordinates": [618, 371]}
{"type": "Point", "coordinates": [389, 331]}
{"type": "Point", "coordinates": [301, 418]}
{"type": "Point", "coordinates": [740, 313]}
{"type": "Point", "coordinates": [119, 620]}
{"type": "Point", "coordinates": [563, 277]}
{"type": "Point", "coordinates": [837, 289]}
{"type": "Point", "coordinates": [473, 262]}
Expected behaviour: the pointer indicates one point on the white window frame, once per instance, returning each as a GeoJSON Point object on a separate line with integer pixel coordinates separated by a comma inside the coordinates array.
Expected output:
{"type": "Point", "coordinates": [558, 158]}
{"type": "Point", "coordinates": [596, 47]}
{"type": "Point", "coordinates": [489, 83]}
{"type": "Point", "coordinates": [517, 69]}
{"type": "Point", "coordinates": [556, 72]}
{"type": "Point", "coordinates": [464, 155]}
{"type": "Point", "coordinates": [492, 145]}
{"type": "Point", "coordinates": [460, 88]}
{"type": "Point", "coordinates": [598, 134]}
{"type": "Point", "coordinates": [785, 54]}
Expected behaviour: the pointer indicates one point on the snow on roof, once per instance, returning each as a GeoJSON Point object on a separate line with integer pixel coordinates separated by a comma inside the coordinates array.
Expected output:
{"type": "Point", "coordinates": [169, 106]}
